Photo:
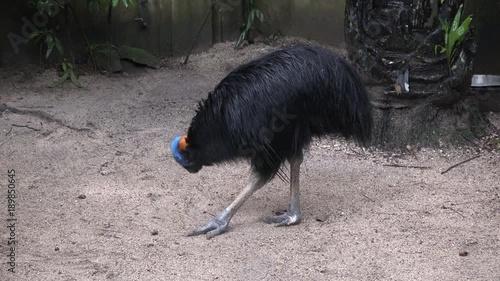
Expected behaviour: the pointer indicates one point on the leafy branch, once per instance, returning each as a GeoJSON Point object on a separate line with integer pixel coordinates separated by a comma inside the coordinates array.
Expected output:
{"type": "Point", "coordinates": [454, 34]}
{"type": "Point", "coordinates": [50, 39]}
{"type": "Point", "coordinates": [68, 72]}
{"type": "Point", "coordinates": [253, 13]}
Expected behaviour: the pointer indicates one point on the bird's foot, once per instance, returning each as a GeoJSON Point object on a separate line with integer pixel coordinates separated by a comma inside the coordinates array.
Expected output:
{"type": "Point", "coordinates": [284, 218]}
{"type": "Point", "coordinates": [213, 227]}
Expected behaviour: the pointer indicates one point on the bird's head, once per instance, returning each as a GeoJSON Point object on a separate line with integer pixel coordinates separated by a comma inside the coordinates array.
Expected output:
{"type": "Point", "coordinates": [180, 151]}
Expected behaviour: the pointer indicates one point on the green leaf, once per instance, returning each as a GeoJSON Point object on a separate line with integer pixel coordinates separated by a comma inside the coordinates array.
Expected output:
{"type": "Point", "coordinates": [260, 15]}
{"type": "Point", "coordinates": [456, 20]}
{"type": "Point", "coordinates": [464, 27]}
{"type": "Point", "coordinates": [75, 79]}
{"type": "Point", "coordinates": [251, 17]}
{"type": "Point", "coordinates": [445, 25]}
{"type": "Point", "coordinates": [442, 49]}
{"type": "Point", "coordinates": [49, 51]}
{"type": "Point", "coordinates": [49, 40]}
{"type": "Point", "coordinates": [242, 37]}
{"type": "Point", "coordinates": [59, 48]}
{"type": "Point", "coordinates": [33, 35]}
{"type": "Point", "coordinates": [61, 80]}
{"type": "Point", "coordinates": [115, 3]}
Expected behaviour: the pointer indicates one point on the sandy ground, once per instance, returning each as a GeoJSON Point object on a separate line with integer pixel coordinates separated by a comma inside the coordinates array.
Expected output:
{"type": "Point", "coordinates": [99, 197]}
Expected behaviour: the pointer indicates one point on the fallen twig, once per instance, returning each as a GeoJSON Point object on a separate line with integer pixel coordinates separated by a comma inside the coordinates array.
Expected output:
{"type": "Point", "coordinates": [450, 208]}
{"type": "Point", "coordinates": [89, 48]}
{"type": "Point", "coordinates": [366, 196]}
{"type": "Point", "coordinates": [407, 166]}
{"type": "Point", "coordinates": [40, 114]}
{"type": "Point", "coordinates": [458, 164]}
{"type": "Point", "coordinates": [21, 126]}
{"type": "Point", "coordinates": [199, 32]}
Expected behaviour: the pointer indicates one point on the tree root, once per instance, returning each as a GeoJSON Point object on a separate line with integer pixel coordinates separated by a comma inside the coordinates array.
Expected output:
{"type": "Point", "coordinates": [40, 114]}
{"type": "Point", "coordinates": [460, 163]}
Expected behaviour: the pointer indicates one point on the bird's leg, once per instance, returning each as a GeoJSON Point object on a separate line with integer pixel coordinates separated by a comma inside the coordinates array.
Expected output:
{"type": "Point", "coordinates": [292, 215]}
{"type": "Point", "coordinates": [219, 223]}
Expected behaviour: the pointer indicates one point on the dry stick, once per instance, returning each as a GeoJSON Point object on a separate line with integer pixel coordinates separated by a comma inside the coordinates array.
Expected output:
{"type": "Point", "coordinates": [68, 33]}
{"type": "Point", "coordinates": [20, 126]}
{"type": "Point", "coordinates": [407, 166]}
{"type": "Point", "coordinates": [366, 196]}
{"type": "Point", "coordinates": [199, 31]}
{"type": "Point", "coordinates": [39, 114]}
{"type": "Point", "coordinates": [465, 161]}
{"type": "Point", "coordinates": [450, 208]}
{"type": "Point", "coordinates": [25, 126]}
{"type": "Point", "coordinates": [41, 55]}
{"type": "Point", "coordinates": [109, 38]}
{"type": "Point", "coordinates": [77, 21]}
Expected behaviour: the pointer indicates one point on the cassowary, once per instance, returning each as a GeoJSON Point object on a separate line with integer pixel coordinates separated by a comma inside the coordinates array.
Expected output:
{"type": "Point", "coordinates": [267, 111]}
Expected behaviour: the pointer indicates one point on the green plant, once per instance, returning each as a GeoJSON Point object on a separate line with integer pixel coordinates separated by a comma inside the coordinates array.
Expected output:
{"type": "Point", "coordinates": [49, 7]}
{"type": "Point", "coordinates": [252, 14]}
{"type": "Point", "coordinates": [454, 34]}
{"type": "Point", "coordinates": [101, 5]}
{"type": "Point", "coordinates": [47, 35]}
{"type": "Point", "coordinates": [50, 39]}
{"type": "Point", "coordinates": [68, 72]}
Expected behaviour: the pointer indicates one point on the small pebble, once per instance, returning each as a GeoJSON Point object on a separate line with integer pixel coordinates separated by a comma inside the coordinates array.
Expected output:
{"type": "Point", "coordinates": [463, 253]}
{"type": "Point", "coordinates": [154, 232]}
{"type": "Point", "coordinates": [82, 196]}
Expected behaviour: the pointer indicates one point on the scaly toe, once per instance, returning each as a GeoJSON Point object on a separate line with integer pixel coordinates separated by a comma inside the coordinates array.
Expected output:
{"type": "Point", "coordinates": [212, 228]}
{"type": "Point", "coordinates": [283, 220]}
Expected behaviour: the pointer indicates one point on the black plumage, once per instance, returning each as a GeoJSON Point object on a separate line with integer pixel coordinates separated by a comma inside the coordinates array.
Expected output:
{"type": "Point", "coordinates": [268, 111]}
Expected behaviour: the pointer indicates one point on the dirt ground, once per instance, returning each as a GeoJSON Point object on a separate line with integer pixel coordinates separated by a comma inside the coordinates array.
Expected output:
{"type": "Point", "coordinates": [99, 196]}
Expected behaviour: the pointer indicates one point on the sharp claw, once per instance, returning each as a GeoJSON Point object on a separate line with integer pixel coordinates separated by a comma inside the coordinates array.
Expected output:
{"type": "Point", "coordinates": [212, 228]}
{"type": "Point", "coordinates": [195, 233]}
